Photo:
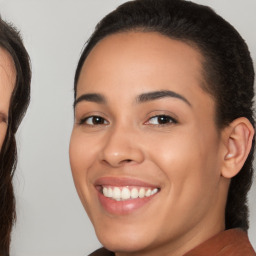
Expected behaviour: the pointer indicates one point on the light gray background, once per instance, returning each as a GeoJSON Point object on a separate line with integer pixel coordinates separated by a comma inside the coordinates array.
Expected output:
{"type": "Point", "coordinates": [51, 220]}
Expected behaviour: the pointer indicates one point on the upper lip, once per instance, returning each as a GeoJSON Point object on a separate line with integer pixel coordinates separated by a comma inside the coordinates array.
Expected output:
{"type": "Point", "coordinates": [123, 181]}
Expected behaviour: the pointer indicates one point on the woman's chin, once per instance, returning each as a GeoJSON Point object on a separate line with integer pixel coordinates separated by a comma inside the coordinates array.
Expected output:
{"type": "Point", "coordinates": [123, 241]}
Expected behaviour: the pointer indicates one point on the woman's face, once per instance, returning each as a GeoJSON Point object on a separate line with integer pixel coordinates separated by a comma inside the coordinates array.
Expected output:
{"type": "Point", "coordinates": [145, 153]}
{"type": "Point", "coordinates": [7, 82]}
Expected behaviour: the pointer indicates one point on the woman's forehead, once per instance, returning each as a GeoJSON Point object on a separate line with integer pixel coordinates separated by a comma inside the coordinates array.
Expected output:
{"type": "Point", "coordinates": [147, 61]}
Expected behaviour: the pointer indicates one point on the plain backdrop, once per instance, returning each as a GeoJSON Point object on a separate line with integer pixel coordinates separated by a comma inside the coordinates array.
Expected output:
{"type": "Point", "coordinates": [50, 218]}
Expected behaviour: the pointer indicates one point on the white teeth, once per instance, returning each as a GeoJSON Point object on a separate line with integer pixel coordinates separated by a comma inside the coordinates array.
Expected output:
{"type": "Point", "coordinates": [125, 193]}
{"type": "Point", "coordinates": [142, 193]}
{"type": "Point", "coordinates": [116, 193]}
{"type": "Point", "coordinates": [155, 190]}
{"type": "Point", "coordinates": [148, 193]}
{"type": "Point", "coordinates": [105, 192]}
{"type": "Point", "coordinates": [110, 192]}
{"type": "Point", "coordinates": [134, 193]}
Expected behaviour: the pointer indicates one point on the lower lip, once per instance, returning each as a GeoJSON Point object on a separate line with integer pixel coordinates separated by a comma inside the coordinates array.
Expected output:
{"type": "Point", "coordinates": [122, 207]}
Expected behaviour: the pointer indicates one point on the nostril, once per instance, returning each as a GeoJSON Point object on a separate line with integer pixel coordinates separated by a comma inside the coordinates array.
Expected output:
{"type": "Point", "coordinates": [126, 161]}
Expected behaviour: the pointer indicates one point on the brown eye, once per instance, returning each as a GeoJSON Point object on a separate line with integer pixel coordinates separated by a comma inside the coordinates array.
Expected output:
{"type": "Point", "coordinates": [94, 120]}
{"type": "Point", "coordinates": [161, 120]}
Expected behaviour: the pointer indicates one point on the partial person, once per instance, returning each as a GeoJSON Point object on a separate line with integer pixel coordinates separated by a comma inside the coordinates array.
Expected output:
{"type": "Point", "coordinates": [162, 145]}
{"type": "Point", "coordinates": [15, 76]}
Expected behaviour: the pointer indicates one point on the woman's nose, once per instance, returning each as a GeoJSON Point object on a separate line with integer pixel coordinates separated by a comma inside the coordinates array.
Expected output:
{"type": "Point", "coordinates": [121, 147]}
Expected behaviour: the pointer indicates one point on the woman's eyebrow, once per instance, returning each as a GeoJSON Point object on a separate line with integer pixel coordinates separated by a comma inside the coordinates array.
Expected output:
{"type": "Point", "coordinates": [91, 97]}
{"type": "Point", "coordinates": [144, 97]}
{"type": "Point", "coordinates": [149, 96]}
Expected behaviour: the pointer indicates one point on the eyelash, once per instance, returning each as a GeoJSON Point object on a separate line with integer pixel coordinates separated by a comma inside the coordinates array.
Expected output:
{"type": "Point", "coordinates": [162, 120]}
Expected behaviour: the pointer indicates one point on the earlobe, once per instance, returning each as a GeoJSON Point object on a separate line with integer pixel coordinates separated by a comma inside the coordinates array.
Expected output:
{"type": "Point", "coordinates": [238, 142]}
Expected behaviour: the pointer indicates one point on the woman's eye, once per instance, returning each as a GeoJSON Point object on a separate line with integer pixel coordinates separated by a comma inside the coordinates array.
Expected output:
{"type": "Point", "coordinates": [94, 120]}
{"type": "Point", "coordinates": [161, 120]}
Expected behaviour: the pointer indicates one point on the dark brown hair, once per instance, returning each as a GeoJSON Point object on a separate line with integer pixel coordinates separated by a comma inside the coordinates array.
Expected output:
{"type": "Point", "coordinates": [10, 40]}
{"type": "Point", "coordinates": [227, 68]}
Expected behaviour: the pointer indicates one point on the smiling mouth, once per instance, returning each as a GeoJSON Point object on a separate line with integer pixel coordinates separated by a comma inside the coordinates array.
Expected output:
{"type": "Point", "coordinates": [122, 196]}
{"type": "Point", "coordinates": [127, 192]}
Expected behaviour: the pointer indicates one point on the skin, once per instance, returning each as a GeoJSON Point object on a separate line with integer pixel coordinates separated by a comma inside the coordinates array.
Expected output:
{"type": "Point", "coordinates": [7, 83]}
{"type": "Point", "coordinates": [184, 158]}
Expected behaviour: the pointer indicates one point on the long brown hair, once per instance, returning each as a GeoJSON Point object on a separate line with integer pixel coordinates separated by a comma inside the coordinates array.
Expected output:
{"type": "Point", "coordinates": [11, 41]}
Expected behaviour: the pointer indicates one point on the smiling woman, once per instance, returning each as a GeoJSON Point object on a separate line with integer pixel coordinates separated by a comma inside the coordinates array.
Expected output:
{"type": "Point", "coordinates": [14, 98]}
{"type": "Point", "coordinates": [162, 145]}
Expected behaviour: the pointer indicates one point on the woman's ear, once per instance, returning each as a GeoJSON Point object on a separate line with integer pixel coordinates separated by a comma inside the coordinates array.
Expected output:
{"type": "Point", "coordinates": [238, 138]}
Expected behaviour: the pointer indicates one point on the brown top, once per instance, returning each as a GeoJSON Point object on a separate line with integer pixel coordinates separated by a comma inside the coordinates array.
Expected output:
{"type": "Point", "coordinates": [232, 242]}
